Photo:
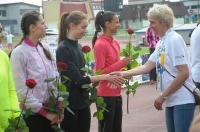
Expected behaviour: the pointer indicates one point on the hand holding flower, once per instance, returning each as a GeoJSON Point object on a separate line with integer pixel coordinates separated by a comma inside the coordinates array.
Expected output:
{"type": "Point", "coordinates": [52, 117]}
{"type": "Point", "coordinates": [127, 60]}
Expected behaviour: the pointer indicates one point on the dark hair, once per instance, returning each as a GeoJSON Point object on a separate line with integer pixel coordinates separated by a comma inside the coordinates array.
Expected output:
{"type": "Point", "coordinates": [74, 17]}
{"type": "Point", "coordinates": [29, 18]}
{"type": "Point", "coordinates": [101, 18]}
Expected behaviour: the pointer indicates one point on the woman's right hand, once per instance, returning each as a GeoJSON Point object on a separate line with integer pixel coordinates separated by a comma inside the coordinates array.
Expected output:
{"type": "Point", "coordinates": [127, 60]}
{"type": "Point", "coordinates": [54, 118]}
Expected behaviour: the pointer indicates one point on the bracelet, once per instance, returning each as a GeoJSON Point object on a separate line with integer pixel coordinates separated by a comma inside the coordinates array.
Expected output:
{"type": "Point", "coordinates": [163, 97]}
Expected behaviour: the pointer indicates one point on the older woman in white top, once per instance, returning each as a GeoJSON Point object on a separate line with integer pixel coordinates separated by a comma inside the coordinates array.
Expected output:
{"type": "Point", "coordinates": [170, 57]}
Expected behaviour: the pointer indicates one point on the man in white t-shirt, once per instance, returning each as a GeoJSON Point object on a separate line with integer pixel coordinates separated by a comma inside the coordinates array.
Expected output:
{"type": "Point", "coordinates": [195, 55]}
{"type": "Point", "coordinates": [9, 38]}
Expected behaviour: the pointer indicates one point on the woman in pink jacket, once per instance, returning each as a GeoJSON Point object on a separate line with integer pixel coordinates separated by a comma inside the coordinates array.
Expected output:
{"type": "Point", "coordinates": [32, 59]}
{"type": "Point", "coordinates": [107, 58]}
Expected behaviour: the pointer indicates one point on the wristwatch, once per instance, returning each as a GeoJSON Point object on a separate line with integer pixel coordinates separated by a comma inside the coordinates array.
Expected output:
{"type": "Point", "coordinates": [163, 97]}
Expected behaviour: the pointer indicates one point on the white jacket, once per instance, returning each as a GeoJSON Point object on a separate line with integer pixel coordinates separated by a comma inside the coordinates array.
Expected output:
{"type": "Point", "coordinates": [28, 62]}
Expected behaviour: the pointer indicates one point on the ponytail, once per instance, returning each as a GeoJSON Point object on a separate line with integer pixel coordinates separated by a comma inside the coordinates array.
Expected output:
{"type": "Point", "coordinates": [63, 27]}
{"type": "Point", "coordinates": [100, 21]}
{"type": "Point", "coordinates": [46, 52]}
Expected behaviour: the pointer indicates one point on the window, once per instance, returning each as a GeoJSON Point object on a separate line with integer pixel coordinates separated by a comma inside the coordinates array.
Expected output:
{"type": "Point", "coordinates": [194, 6]}
{"type": "Point", "coordinates": [2, 13]}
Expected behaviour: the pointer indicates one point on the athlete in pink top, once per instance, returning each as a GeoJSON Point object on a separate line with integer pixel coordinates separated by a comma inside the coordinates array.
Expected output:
{"type": "Point", "coordinates": [107, 58]}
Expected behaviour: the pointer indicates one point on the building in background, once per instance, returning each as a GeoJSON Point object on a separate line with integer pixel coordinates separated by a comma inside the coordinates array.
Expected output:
{"type": "Point", "coordinates": [54, 9]}
{"type": "Point", "coordinates": [139, 2]}
{"type": "Point", "coordinates": [193, 7]}
{"type": "Point", "coordinates": [11, 14]}
{"type": "Point", "coordinates": [134, 16]}
{"type": "Point", "coordinates": [116, 6]}
{"type": "Point", "coordinates": [97, 5]}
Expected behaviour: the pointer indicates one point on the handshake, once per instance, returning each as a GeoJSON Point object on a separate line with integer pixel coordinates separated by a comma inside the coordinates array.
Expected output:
{"type": "Point", "coordinates": [116, 79]}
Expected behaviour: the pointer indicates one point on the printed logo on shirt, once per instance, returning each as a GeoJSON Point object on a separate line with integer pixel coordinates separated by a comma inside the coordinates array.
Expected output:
{"type": "Point", "coordinates": [179, 57]}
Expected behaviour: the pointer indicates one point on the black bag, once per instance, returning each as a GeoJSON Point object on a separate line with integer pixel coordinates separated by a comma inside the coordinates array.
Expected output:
{"type": "Point", "coordinates": [196, 92]}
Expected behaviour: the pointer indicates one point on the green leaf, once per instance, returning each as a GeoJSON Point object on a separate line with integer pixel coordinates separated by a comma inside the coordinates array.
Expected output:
{"type": "Point", "coordinates": [49, 80]}
{"type": "Point", "coordinates": [10, 129]}
{"type": "Point", "coordinates": [126, 82]}
{"type": "Point", "coordinates": [50, 109]}
{"type": "Point", "coordinates": [136, 84]}
{"type": "Point", "coordinates": [135, 56]}
{"type": "Point", "coordinates": [70, 110]}
{"type": "Point", "coordinates": [56, 84]}
{"type": "Point", "coordinates": [58, 111]}
{"type": "Point", "coordinates": [100, 72]}
{"type": "Point", "coordinates": [94, 85]}
{"type": "Point", "coordinates": [127, 92]}
{"type": "Point", "coordinates": [94, 94]}
{"type": "Point", "coordinates": [65, 103]}
{"type": "Point", "coordinates": [62, 87]}
{"type": "Point", "coordinates": [14, 111]}
{"type": "Point", "coordinates": [66, 78]}
{"type": "Point", "coordinates": [28, 111]}
{"type": "Point", "coordinates": [86, 86]}
{"type": "Point", "coordinates": [134, 64]}
{"type": "Point", "coordinates": [125, 52]}
{"type": "Point", "coordinates": [52, 102]}
{"type": "Point", "coordinates": [11, 122]}
{"type": "Point", "coordinates": [64, 94]}
{"type": "Point", "coordinates": [99, 115]}
{"type": "Point", "coordinates": [23, 129]}
{"type": "Point", "coordinates": [99, 101]}
{"type": "Point", "coordinates": [122, 53]}
{"type": "Point", "coordinates": [137, 48]}
{"type": "Point", "coordinates": [85, 69]}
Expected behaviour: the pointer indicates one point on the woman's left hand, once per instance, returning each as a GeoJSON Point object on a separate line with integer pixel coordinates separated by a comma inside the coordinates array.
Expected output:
{"type": "Point", "coordinates": [158, 103]}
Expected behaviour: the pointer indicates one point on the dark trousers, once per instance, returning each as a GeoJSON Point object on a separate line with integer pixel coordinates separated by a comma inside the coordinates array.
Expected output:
{"type": "Point", "coordinates": [152, 73]}
{"type": "Point", "coordinates": [112, 121]}
{"type": "Point", "coordinates": [79, 122]}
{"type": "Point", "coordinates": [38, 123]}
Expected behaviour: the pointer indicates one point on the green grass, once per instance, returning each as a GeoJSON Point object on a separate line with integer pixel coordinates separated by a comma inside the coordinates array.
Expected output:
{"type": "Point", "coordinates": [16, 39]}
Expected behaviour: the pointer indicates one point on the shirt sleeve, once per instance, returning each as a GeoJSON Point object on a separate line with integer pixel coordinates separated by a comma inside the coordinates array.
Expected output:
{"type": "Point", "coordinates": [153, 56]}
{"type": "Point", "coordinates": [100, 52]}
{"type": "Point", "coordinates": [18, 66]}
{"type": "Point", "coordinates": [63, 55]}
{"type": "Point", "coordinates": [177, 51]}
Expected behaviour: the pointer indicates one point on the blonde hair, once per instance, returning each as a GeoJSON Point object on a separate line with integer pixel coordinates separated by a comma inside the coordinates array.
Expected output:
{"type": "Point", "coordinates": [163, 13]}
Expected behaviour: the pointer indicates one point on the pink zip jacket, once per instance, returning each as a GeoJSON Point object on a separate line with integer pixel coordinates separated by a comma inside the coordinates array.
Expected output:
{"type": "Point", "coordinates": [29, 61]}
{"type": "Point", "coordinates": [107, 58]}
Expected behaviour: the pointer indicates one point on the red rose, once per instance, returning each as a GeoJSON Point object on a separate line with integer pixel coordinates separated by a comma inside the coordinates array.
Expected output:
{"type": "Point", "coordinates": [130, 31]}
{"type": "Point", "coordinates": [31, 83]}
{"type": "Point", "coordinates": [61, 66]}
{"type": "Point", "coordinates": [86, 49]}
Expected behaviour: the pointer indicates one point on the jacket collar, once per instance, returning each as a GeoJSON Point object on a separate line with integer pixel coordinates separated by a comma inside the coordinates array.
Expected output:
{"type": "Point", "coordinates": [29, 42]}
